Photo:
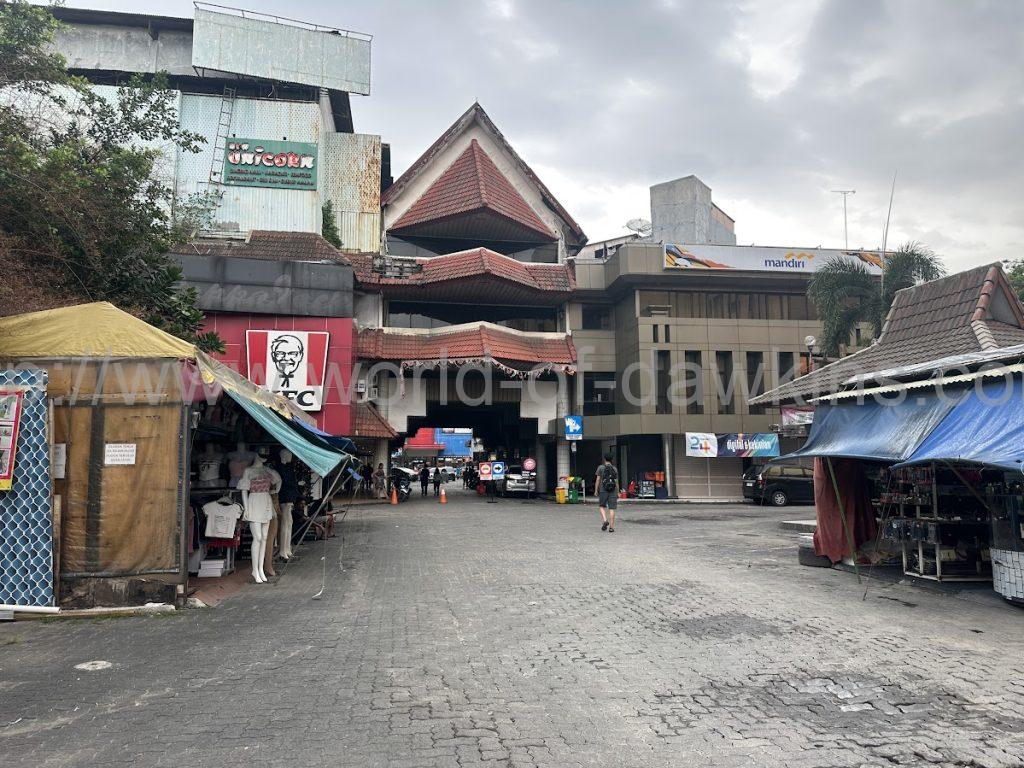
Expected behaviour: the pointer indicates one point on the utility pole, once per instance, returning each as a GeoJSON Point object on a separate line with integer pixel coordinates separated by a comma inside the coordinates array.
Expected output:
{"type": "Point", "coordinates": [845, 193]}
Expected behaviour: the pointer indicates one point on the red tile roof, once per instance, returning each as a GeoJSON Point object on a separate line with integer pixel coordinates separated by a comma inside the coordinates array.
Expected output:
{"type": "Point", "coordinates": [467, 343]}
{"type": "Point", "coordinates": [473, 263]}
{"type": "Point", "coordinates": [267, 245]}
{"type": "Point", "coordinates": [471, 183]}
{"type": "Point", "coordinates": [369, 423]}
{"type": "Point", "coordinates": [477, 114]}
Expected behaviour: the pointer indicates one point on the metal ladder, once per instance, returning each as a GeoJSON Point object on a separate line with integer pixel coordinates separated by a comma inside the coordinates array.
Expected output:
{"type": "Point", "coordinates": [220, 142]}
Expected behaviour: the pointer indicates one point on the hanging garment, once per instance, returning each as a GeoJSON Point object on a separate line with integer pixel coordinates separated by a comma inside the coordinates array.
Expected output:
{"type": "Point", "coordinates": [238, 462]}
{"type": "Point", "coordinates": [221, 516]}
{"type": "Point", "coordinates": [260, 481]}
{"type": "Point", "coordinates": [289, 483]}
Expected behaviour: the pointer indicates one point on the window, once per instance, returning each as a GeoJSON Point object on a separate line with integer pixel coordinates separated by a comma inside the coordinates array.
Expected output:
{"type": "Point", "coordinates": [664, 381]}
{"type": "Point", "coordinates": [668, 334]}
{"type": "Point", "coordinates": [787, 367]}
{"type": "Point", "coordinates": [755, 379]}
{"type": "Point", "coordinates": [694, 382]}
{"type": "Point", "coordinates": [654, 331]}
{"type": "Point", "coordinates": [597, 317]}
{"type": "Point", "coordinates": [725, 394]}
{"type": "Point", "coordinates": [655, 303]}
{"type": "Point", "coordinates": [598, 394]}
{"type": "Point", "coordinates": [793, 472]}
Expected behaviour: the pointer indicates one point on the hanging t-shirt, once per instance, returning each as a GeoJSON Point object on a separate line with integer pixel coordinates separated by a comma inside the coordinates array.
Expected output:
{"type": "Point", "coordinates": [221, 516]}
{"type": "Point", "coordinates": [260, 481]}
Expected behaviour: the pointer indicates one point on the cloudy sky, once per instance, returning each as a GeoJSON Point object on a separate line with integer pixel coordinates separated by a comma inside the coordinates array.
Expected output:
{"type": "Point", "coordinates": [773, 103]}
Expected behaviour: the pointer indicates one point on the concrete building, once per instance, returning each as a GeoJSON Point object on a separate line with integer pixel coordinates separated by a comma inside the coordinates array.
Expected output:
{"type": "Point", "coordinates": [270, 98]}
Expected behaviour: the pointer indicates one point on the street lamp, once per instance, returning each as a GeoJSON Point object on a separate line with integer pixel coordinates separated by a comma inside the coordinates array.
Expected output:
{"type": "Point", "coordinates": [809, 342]}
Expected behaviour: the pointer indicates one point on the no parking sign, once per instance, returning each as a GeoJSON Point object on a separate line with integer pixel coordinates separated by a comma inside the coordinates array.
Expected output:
{"type": "Point", "coordinates": [485, 470]}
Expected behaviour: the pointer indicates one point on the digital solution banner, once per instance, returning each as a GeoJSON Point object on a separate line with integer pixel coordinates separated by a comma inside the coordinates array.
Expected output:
{"type": "Point", "coordinates": [732, 445]}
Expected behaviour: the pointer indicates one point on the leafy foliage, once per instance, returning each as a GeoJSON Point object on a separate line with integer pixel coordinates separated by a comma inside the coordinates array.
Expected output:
{"type": "Point", "coordinates": [1015, 274]}
{"type": "Point", "coordinates": [329, 228]}
{"type": "Point", "coordinates": [84, 205]}
{"type": "Point", "coordinates": [846, 294]}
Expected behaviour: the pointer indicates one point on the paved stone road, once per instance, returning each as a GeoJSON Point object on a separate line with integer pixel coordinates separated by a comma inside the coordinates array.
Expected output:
{"type": "Point", "coordinates": [518, 634]}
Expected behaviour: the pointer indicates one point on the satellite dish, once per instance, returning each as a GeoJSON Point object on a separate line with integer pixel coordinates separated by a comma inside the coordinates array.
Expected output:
{"type": "Point", "coordinates": [641, 226]}
{"type": "Point", "coordinates": [810, 341]}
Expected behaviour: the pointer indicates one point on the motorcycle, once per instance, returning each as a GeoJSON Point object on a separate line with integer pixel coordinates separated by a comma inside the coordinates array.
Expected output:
{"type": "Point", "coordinates": [401, 482]}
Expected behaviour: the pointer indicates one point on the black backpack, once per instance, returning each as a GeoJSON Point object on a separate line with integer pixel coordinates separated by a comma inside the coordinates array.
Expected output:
{"type": "Point", "coordinates": [611, 476]}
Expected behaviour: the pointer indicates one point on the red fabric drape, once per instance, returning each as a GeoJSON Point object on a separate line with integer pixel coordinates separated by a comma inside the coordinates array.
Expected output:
{"type": "Point", "coordinates": [829, 537]}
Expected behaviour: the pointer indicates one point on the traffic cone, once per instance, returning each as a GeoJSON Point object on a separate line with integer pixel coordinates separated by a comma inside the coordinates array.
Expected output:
{"type": "Point", "coordinates": [444, 498]}
{"type": "Point", "coordinates": [394, 495]}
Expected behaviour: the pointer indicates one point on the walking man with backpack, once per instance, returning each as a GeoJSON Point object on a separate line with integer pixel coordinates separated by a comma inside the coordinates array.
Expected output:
{"type": "Point", "coordinates": [607, 485]}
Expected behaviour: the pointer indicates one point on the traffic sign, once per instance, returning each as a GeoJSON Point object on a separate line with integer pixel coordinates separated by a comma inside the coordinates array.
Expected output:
{"type": "Point", "coordinates": [485, 470]}
{"type": "Point", "coordinates": [497, 470]}
{"type": "Point", "coordinates": [529, 464]}
{"type": "Point", "coordinates": [573, 427]}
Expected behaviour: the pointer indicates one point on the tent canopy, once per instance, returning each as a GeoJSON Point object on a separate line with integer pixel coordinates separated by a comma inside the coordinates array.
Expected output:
{"type": "Point", "coordinates": [985, 427]}
{"type": "Point", "coordinates": [87, 330]}
{"type": "Point", "coordinates": [878, 431]}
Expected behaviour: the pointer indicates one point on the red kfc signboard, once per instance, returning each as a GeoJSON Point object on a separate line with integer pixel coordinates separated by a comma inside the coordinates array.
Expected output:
{"type": "Point", "coordinates": [291, 363]}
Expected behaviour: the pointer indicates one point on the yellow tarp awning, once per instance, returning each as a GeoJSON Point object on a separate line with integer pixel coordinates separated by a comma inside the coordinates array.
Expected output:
{"type": "Point", "coordinates": [87, 330]}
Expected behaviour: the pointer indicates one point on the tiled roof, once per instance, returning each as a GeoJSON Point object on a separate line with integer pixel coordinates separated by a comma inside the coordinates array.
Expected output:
{"type": "Point", "coordinates": [467, 343]}
{"type": "Point", "coordinates": [267, 245]}
{"type": "Point", "coordinates": [471, 183]}
{"type": "Point", "coordinates": [477, 114]}
{"type": "Point", "coordinates": [945, 317]}
{"type": "Point", "coordinates": [369, 423]}
{"type": "Point", "coordinates": [472, 263]}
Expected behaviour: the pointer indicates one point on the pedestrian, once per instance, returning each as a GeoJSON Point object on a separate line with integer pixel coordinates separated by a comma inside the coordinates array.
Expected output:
{"type": "Point", "coordinates": [437, 480]}
{"type": "Point", "coordinates": [378, 481]}
{"type": "Point", "coordinates": [367, 473]}
{"type": "Point", "coordinates": [607, 485]}
{"type": "Point", "coordinates": [424, 479]}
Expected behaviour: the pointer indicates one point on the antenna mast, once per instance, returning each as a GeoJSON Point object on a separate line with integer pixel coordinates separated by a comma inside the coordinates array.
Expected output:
{"type": "Point", "coordinates": [845, 193]}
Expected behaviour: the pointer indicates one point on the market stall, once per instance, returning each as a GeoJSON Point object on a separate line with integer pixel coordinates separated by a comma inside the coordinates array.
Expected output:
{"type": "Point", "coordinates": [941, 460]}
{"type": "Point", "coordinates": [124, 402]}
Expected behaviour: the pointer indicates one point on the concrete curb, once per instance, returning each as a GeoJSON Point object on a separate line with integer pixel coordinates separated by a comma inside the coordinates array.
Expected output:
{"type": "Point", "coordinates": [801, 526]}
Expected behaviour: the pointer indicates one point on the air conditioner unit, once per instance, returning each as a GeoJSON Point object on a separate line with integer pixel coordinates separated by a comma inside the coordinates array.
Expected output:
{"type": "Point", "coordinates": [374, 393]}
{"type": "Point", "coordinates": [361, 386]}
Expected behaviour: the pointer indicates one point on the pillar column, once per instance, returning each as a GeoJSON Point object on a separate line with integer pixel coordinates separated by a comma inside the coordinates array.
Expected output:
{"type": "Point", "coordinates": [542, 467]}
{"type": "Point", "coordinates": [668, 459]}
{"type": "Point", "coordinates": [562, 460]}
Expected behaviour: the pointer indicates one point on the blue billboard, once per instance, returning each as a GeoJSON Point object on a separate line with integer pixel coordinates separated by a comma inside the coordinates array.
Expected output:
{"type": "Point", "coordinates": [458, 443]}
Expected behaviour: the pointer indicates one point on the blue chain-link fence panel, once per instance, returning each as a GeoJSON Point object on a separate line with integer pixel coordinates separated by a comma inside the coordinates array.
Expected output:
{"type": "Point", "coordinates": [26, 518]}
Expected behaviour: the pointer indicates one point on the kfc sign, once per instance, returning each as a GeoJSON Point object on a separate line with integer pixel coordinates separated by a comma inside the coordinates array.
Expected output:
{"type": "Point", "coordinates": [291, 363]}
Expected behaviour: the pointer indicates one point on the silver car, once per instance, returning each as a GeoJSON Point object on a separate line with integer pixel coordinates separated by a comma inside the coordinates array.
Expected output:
{"type": "Point", "coordinates": [518, 480]}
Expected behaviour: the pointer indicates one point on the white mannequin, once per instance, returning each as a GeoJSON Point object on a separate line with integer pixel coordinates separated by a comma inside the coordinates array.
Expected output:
{"type": "Point", "coordinates": [209, 462]}
{"type": "Point", "coordinates": [284, 532]}
{"type": "Point", "coordinates": [256, 485]}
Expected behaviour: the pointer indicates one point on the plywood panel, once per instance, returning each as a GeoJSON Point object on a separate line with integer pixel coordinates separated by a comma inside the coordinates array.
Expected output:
{"type": "Point", "coordinates": [139, 526]}
{"type": "Point", "coordinates": [72, 426]}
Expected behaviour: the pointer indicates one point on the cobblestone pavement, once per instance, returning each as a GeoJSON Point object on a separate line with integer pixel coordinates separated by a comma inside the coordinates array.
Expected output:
{"type": "Point", "coordinates": [517, 634]}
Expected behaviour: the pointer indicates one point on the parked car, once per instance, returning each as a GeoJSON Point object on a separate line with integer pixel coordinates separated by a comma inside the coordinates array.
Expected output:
{"type": "Point", "coordinates": [518, 480]}
{"type": "Point", "coordinates": [779, 483]}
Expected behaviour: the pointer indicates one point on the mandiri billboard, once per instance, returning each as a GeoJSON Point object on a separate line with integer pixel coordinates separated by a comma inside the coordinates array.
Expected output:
{"type": "Point", "coordinates": [709, 445]}
{"type": "Point", "coordinates": [756, 258]}
{"type": "Point", "coordinates": [276, 164]}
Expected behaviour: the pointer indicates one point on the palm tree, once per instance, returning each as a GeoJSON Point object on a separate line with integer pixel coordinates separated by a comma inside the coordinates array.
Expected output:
{"type": "Point", "coordinates": [846, 294]}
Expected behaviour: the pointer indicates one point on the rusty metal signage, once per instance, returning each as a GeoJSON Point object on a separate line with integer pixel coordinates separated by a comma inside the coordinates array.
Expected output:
{"type": "Point", "coordinates": [276, 164]}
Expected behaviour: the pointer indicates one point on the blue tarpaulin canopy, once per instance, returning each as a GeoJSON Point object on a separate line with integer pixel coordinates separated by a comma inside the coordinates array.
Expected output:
{"type": "Point", "coordinates": [985, 427]}
{"type": "Point", "coordinates": [322, 459]}
{"type": "Point", "coordinates": [341, 443]}
{"type": "Point", "coordinates": [879, 431]}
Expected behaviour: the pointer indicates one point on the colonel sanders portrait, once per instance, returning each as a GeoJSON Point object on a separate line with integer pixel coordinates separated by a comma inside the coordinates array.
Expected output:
{"type": "Point", "coordinates": [287, 353]}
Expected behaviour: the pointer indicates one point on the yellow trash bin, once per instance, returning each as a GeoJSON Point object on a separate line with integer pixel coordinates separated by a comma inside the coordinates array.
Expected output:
{"type": "Point", "coordinates": [560, 494]}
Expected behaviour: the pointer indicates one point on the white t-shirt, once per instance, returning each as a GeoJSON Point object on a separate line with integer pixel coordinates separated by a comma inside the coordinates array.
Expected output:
{"type": "Point", "coordinates": [260, 481]}
{"type": "Point", "coordinates": [221, 516]}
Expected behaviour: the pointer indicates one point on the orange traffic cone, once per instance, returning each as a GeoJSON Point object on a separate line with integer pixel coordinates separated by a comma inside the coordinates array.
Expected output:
{"type": "Point", "coordinates": [444, 499]}
{"type": "Point", "coordinates": [394, 495]}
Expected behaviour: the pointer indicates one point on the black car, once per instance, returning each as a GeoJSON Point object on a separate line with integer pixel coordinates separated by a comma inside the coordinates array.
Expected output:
{"type": "Point", "coordinates": [779, 484]}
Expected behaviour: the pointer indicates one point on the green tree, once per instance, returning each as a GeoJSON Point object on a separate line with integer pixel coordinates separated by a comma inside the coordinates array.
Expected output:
{"type": "Point", "coordinates": [846, 294]}
{"type": "Point", "coordinates": [85, 210]}
{"type": "Point", "coordinates": [1015, 274]}
{"type": "Point", "coordinates": [329, 228]}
